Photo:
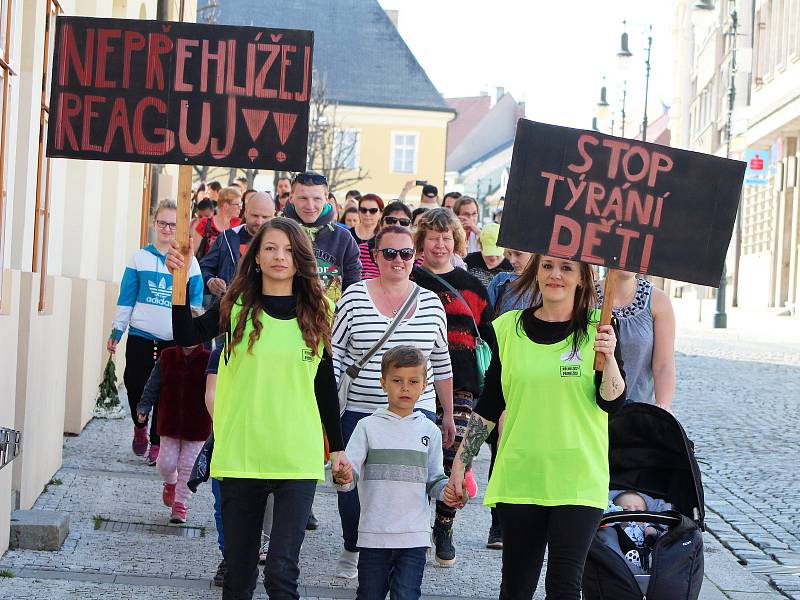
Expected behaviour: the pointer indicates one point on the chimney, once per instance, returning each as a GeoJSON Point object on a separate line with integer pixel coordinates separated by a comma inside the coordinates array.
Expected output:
{"type": "Point", "coordinates": [500, 91]}
{"type": "Point", "coordinates": [394, 16]}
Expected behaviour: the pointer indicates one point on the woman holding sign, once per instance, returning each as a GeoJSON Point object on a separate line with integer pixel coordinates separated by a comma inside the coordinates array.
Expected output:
{"type": "Point", "coordinates": [268, 421]}
{"type": "Point", "coordinates": [550, 478]}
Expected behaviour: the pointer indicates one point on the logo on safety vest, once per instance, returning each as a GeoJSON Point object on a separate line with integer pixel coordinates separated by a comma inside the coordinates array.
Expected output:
{"type": "Point", "coordinates": [307, 354]}
{"type": "Point", "coordinates": [570, 370]}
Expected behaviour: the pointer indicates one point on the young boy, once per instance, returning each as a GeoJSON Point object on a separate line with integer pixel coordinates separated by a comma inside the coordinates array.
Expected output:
{"type": "Point", "coordinates": [396, 457]}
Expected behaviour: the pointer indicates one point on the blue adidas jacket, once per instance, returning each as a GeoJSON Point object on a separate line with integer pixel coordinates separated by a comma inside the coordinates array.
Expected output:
{"type": "Point", "coordinates": [145, 296]}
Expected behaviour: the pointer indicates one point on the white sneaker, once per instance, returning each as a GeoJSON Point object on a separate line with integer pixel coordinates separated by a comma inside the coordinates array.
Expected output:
{"type": "Point", "coordinates": [347, 566]}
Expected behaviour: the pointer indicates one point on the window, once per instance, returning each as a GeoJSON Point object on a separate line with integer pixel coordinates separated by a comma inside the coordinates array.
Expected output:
{"type": "Point", "coordinates": [5, 74]}
{"type": "Point", "coordinates": [793, 26]}
{"type": "Point", "coordinates": [347, 148]}
{"type": "Point", "coordinates": [404, 152]}
{"type": "Point", "coordinates": [41, 222]}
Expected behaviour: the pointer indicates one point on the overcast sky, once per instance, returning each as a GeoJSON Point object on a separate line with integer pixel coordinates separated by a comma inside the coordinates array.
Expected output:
{"type": "Point", "coordinates": [551, 54]}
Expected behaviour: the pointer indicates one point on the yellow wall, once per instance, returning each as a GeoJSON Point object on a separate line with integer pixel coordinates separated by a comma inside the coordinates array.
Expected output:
{"type": "Point", "coordinates": [376, 126]}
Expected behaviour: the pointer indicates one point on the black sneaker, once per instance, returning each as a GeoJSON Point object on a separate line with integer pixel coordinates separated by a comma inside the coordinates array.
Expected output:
{"type": "Point", "coordinates": [219, 576]}
{"type": "Point", "coordinates": [312, 523]}
{"type": "Point", "coordinates": [495, 540]}
{"type": "Point", "coordinates": [443, 541]}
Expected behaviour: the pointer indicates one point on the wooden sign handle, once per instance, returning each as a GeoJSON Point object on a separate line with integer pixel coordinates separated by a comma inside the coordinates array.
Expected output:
{"type": "Point", "coordinates": [605, 313]}
{"type": "Point", "coordinates": [181, 276]}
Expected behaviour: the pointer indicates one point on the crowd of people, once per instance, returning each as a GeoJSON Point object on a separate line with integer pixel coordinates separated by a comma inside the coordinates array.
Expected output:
{"type": "Point", "coordinates": [406, 338]}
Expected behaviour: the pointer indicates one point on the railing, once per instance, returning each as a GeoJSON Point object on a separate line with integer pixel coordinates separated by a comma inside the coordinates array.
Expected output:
{"type": "Point", "coordinates": [10, 444]}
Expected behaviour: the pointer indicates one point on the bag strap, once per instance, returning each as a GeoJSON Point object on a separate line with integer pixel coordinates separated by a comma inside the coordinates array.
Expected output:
{"type": "Point", "coordinates": [353, 370]}
{"type": "Point", "coordinates": [457, 293]}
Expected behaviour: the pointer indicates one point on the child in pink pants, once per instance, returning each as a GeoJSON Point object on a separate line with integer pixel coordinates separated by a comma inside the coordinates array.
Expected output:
{"type": "Point", "coordinates": [178, 384]}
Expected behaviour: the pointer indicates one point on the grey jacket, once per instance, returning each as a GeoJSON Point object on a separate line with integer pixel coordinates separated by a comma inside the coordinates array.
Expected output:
{"type": "Point", "coordinates": [397, 466]}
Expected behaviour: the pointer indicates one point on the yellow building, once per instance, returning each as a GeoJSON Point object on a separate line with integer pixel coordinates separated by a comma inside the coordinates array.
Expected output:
{"type": "Point", "coordinates": [383, 107]}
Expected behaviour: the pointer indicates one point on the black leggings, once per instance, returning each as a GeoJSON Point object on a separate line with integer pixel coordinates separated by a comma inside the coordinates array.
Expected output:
{"type": "Point", "coordinates": [566, 531]}
{"type": "Point", "coordinates": [140, 358]}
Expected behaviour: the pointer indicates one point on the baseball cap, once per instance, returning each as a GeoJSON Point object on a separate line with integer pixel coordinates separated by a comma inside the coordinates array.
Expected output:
{"type": "Point", "coordinates": [488, 239]}
{"type": "Point", "coordinates": [430, 190]}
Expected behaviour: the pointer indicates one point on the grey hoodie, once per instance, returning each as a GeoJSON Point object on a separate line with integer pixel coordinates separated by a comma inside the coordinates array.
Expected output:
{"type": "Point", "coordinates": [397, 464]}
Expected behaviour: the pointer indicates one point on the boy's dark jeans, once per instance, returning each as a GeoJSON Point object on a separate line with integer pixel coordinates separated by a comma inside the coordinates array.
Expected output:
{"type": "Point", "coordinates": [243, 504]}
{"type": "Point", "coordinates": [396, 571]}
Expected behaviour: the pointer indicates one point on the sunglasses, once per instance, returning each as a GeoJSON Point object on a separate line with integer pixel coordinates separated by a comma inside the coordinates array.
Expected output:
{"type": "Point", "coordinates": [365, 210]}
{"type": "Point", "coordinates": [309, 178]}
{"type": "Point", "coordinates": [405, 253]}
{"type": "Point", "coordinates": [395, 220]}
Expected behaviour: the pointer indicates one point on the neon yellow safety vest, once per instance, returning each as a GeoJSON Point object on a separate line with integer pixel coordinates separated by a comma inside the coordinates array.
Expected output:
{"type": "Point", "coordinates": [554, 446]}
{"type": "Point", "coordinates": [266, 421]}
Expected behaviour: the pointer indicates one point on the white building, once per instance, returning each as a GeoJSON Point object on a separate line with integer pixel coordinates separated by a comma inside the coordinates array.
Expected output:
{"type": "Point", "coordinates": [67, 229]}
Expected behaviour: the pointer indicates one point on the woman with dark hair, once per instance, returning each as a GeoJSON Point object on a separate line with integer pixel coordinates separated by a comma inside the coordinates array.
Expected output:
{"type": "Point", "coordinates": [268, 422]}
{"type": "Point", "coordinates": [440, 236]}
{"type": "Point", "coordinates": [364, 312]}
{"type": "Point", "coordinates": [395, 213]}
{"type": "Point", "coordinates": [550, 478]}
{"type": "Point", "coordinates": [370, 207]}
{"type": "Point", "coordinates": [350, 217]}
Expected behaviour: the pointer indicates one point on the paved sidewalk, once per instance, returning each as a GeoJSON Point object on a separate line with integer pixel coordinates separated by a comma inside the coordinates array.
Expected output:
{"type": "Point", "coordinates": [101, 480]}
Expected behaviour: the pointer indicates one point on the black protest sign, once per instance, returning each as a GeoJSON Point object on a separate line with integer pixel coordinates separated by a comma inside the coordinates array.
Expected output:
{"type": "Point", "coordinates": [180, 93]}
{"type": "Point", "coordinates": [620, 203]}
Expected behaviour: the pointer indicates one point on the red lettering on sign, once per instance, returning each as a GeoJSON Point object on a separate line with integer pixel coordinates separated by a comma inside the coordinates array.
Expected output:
{"type": "Point", "coordinates": [583, 140]}
{"type": "Point", "coordinates": [219, 58]}
{"type": "Point", "coordinates": [230, 78]}
{"type": "Point", "coordinates": [261, 91]}
{"type": "Point", "coordinates": [627, 235]}
{"type": "Point", "coordinates": [230, 129]}
{"type": "Point", "coordinates": [302, 96]}
{"type": "Point", "coordinates": [69, 106]}
{"type": "Point", "coordinates": [285, 123]}
{"type": "Point", "coordinates": [181, 54]}
{"type": "Point", "coordinates": [616, 146]}
{"type": "Point", "coordinates": [134, 42]}
{"type": "Point", "coordinates": [103, 50]}
{"type": "Point", "coordinates": [119, 121]}
{"type": "Point", "coordinates": [590, 240]}
{"type": "Point", "coordinates": [187, 146]}
{"type": "Point", "coordinates": [142, 143]}
{"type": "Point", "coordinates": [254, 119]}
{"type": "Point", "coordinates": [285, 62]}
{"type": "Point", "coordinates": [71, 58]}
{"type": "Point", "coordinates": [159, 44]}
{"type": "Point", "coordinates": [661, 163]}
{"type": "Point", "coordinates": [570, 249]}
{"type": "Point", "coordinates": [88, 115]}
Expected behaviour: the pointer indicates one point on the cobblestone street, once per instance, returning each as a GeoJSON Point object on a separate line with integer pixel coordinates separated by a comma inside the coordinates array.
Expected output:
{"type": "Point", "coordinates": [740, 408]}
{"type": "Point", "coordinates": [738, 396]}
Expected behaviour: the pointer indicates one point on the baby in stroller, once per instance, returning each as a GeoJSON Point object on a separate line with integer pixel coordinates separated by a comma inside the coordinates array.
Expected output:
{"type": "Point", "coordinates": [636, 539]}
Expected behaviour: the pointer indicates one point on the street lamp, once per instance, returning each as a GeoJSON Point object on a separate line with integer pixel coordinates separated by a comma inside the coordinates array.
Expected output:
{"type": "Point", "coordinates": [624, 55]}
{"type": "Point", "coordinates": [703, 13]}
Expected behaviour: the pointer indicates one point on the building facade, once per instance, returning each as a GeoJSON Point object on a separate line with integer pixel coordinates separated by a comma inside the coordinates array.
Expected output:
{"type": "Point", "coordinates": [763, 260]}
{"type": "Point", "coordinates": [381, 103]}
{"type": "Point", "coordinates": [67, 229]}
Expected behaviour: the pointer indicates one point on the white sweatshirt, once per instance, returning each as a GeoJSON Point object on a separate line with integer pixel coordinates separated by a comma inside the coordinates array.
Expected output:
{"type": "Point", "coordinates": [397, 465]}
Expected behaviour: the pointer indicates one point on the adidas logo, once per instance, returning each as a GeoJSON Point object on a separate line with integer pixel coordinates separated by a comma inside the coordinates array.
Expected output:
{"type": "Point", "coordinates": [159, 291]}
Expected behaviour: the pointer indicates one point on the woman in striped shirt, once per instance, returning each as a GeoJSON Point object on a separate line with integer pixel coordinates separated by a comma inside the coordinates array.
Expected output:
{"type": "Point", "coordinates": [363, 315]}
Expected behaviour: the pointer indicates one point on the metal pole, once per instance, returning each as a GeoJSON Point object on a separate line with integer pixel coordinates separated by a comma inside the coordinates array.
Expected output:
{"type": "Point", "coordinates": [720, 316]}
{"type": "Point", "coordinates": [624, 97]}
{"type": "Point", "coordinates": [647, 81]}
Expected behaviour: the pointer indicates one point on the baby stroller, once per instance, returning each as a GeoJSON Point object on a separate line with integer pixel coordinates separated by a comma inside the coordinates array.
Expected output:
{"type": "Point", "coordinates": [650, 453]}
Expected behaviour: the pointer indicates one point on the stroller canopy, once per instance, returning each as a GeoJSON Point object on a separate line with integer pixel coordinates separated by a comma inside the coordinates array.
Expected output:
{"type": "Point", "coordinates": [649, 452]}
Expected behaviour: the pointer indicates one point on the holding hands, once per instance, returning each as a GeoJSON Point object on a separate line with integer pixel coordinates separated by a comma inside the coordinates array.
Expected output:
{"type": "Point", "coordinates": [455, 493]}
{"type": "Point", "coordinates": [341, 469]}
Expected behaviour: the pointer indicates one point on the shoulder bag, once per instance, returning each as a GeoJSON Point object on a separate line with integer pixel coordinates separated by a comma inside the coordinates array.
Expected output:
{"type": "Point", "coordinates": [483, 353]}
{"type": "Point", "coordinates": [353, 370]}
